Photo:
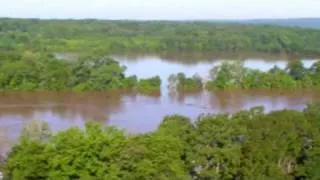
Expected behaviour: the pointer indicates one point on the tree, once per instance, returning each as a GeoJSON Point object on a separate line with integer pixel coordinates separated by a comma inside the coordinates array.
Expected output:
{"type": "Point", "coordinates": [296, 69]}
{"type": "Point", "coordinates": [216, 154]}
{"type": "Point", "coordinates": [227, 75]}
{"type": "Point", "coordinates": [181, 82]}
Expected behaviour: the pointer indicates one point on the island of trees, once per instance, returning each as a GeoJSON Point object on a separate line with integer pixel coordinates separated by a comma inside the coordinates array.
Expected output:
{"type": "Point", "coordinates": [38, 72]}
{"type": "Point", "coordinates": [42, 72]}
{"type": "Point", "coordinates": [234, 75]}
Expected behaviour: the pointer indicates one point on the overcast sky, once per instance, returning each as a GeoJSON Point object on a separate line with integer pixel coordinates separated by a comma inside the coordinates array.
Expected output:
{"type": "Point", "coordinates": [160, 9]}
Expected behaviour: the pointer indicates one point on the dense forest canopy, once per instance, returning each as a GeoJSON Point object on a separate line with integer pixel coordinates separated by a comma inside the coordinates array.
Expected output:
{"type": "Point", "coordinates": [246, 145]}
{"type": "Point", "coordinates": [153, 36]}
{"type": "Point", "coordinates": [291, 22]}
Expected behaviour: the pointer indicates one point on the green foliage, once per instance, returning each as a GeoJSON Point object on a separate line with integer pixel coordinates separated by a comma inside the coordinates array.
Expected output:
{"type": "Point", "coordinates": [100, 37]}
{"type": "Point", "coordinates": [131, 82]}
{"type": "Point", "coordinates": [181, 82]}
{"type": "Point", "coordinates": [283, 135]}
{"type": "Point", "coordinates": [149, 85]}
{"type": "Point", "coordinates": [27, 47]}
{"type": "Point", "coordinates": [227, 75]}
{"type": "Point", "coordinates": [154, 156]}
{"type": "Point", "coordinates": [296, 70]}
{"type": "Point", "coordinates": [246, 145]}
{"type": "Point", "coordinates": [97, 153]}
{"type": "Point", "coordinates": [216, 153]}
{"type": "Point", "coordinates": [182, 128]}
{"type": "Point", "coordinates": [42, 72]}
{"type": "Point", "coordinates": [233, 75]}
{"type": "Point", "coordinates": [23, 165]}
{"type": "Point", "coordinates": [90, 73]}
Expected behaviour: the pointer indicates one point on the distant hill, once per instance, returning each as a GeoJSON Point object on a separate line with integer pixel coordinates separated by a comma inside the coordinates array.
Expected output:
{"type": "Point", "coordinates": [302, 22]}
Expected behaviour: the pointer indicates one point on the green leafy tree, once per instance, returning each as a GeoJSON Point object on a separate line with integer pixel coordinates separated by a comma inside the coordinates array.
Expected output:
{"type": "Point", "coordinates": [296, 69]}
{"type": "Point", "coordinates": [181, 82]}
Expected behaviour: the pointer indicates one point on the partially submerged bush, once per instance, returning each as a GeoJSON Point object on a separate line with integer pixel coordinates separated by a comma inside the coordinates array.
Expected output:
{"type": "Point", "coordinates": [181, 82]}
{"type": "Point", "coordinates": [150, 84]}
{"type": "Point", "coordinates": [36, 130]}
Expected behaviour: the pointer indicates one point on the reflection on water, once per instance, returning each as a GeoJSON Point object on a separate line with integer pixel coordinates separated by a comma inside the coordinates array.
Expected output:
{"type": "Point", "coordinates": [137, 113]}
{"type": "Point", "coordinates": [133, 112]}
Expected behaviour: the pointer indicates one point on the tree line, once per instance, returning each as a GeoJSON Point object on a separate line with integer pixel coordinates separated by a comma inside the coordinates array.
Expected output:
{"type": "Point", "coordinates": [234, 75]}
{"type": "Point", "coordinates": [250, 144]}
{"type": "Point", "coordinates": [154, 36]}
{"type": "Point", "coordinates": [42, 72]}
{"type": "Point", "coordinates": [30, 71]}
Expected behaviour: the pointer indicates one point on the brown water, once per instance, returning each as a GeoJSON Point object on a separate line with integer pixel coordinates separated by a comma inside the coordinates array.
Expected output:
{"type": "Point", "coordinates": [138, 113]}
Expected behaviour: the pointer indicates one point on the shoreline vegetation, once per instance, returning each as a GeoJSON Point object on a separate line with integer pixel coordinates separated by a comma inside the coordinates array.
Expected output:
{"type": "Point", "coordinates": [38, 72]}
{"type": "Point", "coordinates": [35, 72]}
{"type": "Point", "coordinates": [234, 75]}
{"type": "Point", "coordinates": [249, 144]}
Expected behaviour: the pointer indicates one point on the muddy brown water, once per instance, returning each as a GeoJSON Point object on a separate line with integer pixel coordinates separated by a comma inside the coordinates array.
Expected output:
{"type": "Point", "coordinates": [139, 113]}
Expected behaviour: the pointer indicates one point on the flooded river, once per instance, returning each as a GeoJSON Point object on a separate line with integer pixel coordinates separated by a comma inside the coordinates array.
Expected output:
{"type": "Point", "coordinates": [137, 113]}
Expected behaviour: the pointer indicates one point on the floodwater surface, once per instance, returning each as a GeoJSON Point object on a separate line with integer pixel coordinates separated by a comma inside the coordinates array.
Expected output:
{"type": "Point", "coordinates": [147, 66]}
{"type": "Point", "coordinates": [138, 113]}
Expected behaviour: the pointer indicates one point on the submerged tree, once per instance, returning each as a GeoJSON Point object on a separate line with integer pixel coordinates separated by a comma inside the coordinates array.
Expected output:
{"type": "Point", "coordinates": [181, 82]}
{"type": "Point", "coordinates": [227, 75]}
{"type": "Point", "coordinates": [150, 84]}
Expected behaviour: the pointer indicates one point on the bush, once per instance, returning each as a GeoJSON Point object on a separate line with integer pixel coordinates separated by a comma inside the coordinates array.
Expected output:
{"type": "Point", "coordinates": [181, 82]}
{"type": "Point", "coordinates": [150, 84]}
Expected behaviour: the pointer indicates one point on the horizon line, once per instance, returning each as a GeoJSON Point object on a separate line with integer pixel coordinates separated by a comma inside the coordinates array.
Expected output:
{"type": "Point", "coordinates": [127, 19]}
